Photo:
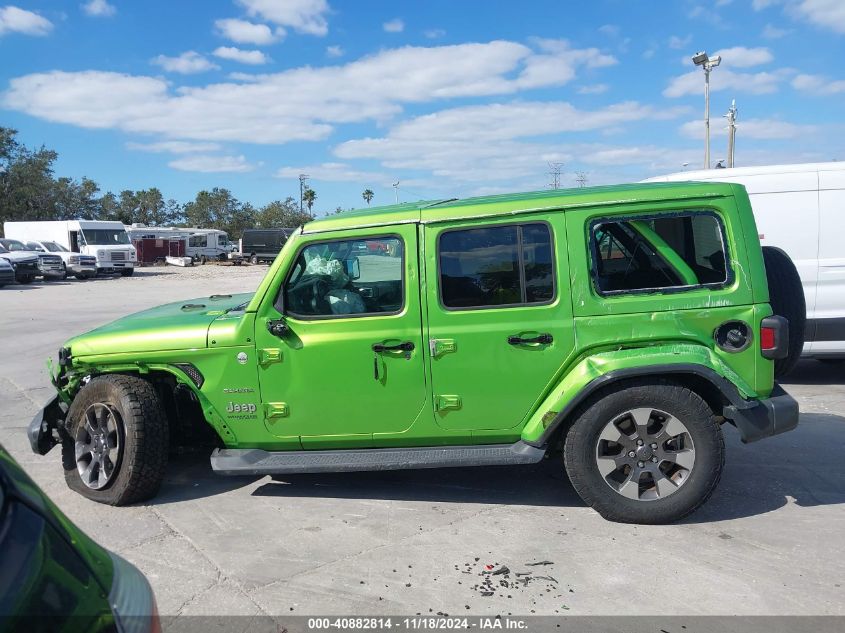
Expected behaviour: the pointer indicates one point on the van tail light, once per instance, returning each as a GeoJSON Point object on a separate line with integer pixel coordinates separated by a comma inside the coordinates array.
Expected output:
{"type": "Point", "coordinates": [774, 337]}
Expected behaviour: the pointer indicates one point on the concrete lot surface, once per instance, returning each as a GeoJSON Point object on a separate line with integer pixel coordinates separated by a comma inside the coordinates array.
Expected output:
{"type": "Point", "coordinates": [770, 541]}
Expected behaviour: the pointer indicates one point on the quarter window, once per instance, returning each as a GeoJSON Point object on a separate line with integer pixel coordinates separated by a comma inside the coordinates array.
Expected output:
{"type": "Point", "coordinates": [496, 266]}
{"type": "Point", "coordinates": [347, 278]}
{"type": "Point", "coordinates": [658, 252]}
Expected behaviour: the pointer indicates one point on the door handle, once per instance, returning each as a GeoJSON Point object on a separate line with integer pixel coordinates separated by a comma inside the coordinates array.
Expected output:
{"type": "Point", "coordinates": [543, 339]}
{"type": "Point", "coordinates": [407, 346]}
{"type": "Point", "coordinates": [379, 348]}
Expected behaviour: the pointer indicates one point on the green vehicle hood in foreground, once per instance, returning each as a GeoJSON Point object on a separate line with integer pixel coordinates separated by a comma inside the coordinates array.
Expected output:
{"type": "Point", "coordinates": [173, 326]}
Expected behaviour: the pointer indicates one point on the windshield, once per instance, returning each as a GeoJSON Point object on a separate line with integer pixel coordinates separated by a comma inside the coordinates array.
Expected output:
{"type": "Point", "coordinates": [54, 248]}
{"type": "Point", "coordinates": [104, 237]}
{"type": "Point", "coordinates": [14, 245]}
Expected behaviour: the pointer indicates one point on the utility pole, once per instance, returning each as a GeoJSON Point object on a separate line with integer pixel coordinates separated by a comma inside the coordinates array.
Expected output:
{"type": "Point", "coordinates": [396, 190]}
{"type": "Point", "coordinates": [707, 63]}
{"type": "Point", "coordinates": [731, 117]}
{"type": "Point", "coordinates": [303, 182]}
{"type": "Point", "coordinates": [581, 179]}
{"type": "Point", "coordinates": [555, 170]}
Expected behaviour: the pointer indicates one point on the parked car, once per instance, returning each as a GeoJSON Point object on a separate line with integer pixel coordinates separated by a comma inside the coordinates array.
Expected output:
{"type": "Point", "coordinates": [25, 264]}
{"type": "Point", "coordinates": [7, 273]}
{"type": "Point", "coordinates": [263, 245]}
{"type": "Point", "coordinates": [620, 326]}
{"type": "Point", "coordinates": [49, 266]}
{"type": "Point", "coordinates": [54, 577]}
{"type": "Point", "coordinates": [798, 210]}
{"type": "Point", "coordinates": [104, 239]}
{"type": "Point", "coordinates": [75, 264]}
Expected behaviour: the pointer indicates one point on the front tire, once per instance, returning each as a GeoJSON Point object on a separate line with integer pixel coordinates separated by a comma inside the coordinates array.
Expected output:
{"type": "Point", "coordinates": [116, 452]}
{"type": "Point", "coordinates": [678, 452]}
{"type": "Point", "coordinates": [254, 260]}
{"type": "Point", "coordinates": [127, 272]}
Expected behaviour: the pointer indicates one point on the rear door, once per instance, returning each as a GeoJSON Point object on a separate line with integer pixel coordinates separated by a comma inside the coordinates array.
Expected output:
{"type": "Point", "coordinates": [499, 318]}
{"type": "Point", "coordinates": [828, 326]}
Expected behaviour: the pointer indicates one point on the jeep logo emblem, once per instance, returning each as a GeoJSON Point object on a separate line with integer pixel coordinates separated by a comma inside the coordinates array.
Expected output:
{"type": "Point", "coordinates": [241, 408]}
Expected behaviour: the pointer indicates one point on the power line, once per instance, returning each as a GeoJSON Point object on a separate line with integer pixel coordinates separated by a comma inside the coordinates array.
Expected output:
{"type": "Point", "coordinates": [581, 178]}
{"type": "Point", "coordinates": [555, 170]}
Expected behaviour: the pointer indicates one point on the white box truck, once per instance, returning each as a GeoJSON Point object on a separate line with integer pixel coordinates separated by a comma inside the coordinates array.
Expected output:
{"type": "Point", "coordinates": [800, 209]}
{"type": "Point", "coordinates": [105, 240]}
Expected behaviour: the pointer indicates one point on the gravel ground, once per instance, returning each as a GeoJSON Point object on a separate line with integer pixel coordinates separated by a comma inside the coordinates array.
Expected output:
{"type": "Point", "coordinates": [770, 541]}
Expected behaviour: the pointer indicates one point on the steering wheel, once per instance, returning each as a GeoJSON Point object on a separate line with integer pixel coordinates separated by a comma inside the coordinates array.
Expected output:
{"type": "Point", "coordinates": [312, 294]}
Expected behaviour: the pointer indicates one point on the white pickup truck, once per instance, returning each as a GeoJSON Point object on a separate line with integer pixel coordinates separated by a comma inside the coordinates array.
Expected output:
{"type": "Point", "coordinates": [75, 264]}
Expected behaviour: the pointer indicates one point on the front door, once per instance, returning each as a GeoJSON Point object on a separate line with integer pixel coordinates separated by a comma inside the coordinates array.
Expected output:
{"type": "Point", "coordinates": [500, 318]}
{"type": "Point", "coordinates": [351, 361]}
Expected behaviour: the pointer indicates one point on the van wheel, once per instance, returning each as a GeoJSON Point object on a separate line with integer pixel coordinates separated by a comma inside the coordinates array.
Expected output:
{"type": "Point", "coordinates": [253, 260]}
{"type": "Point", "coordinates": [203, 260]}
{"type": "Point", "coordinates": [786, 296]}
{"type": "Point", "coordinates": [645, 453]}
{"type": "Point", "coordinates": [116, 449]}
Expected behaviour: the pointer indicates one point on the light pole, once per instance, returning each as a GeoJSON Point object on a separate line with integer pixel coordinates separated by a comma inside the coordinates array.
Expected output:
{"type": "Point", "coordinates": [396, 190]}
{"type": "Point", "coordinates": [731, 117]}
{"type": "Point", "coordinates": [303, 182]}
{"type": "Point", "coordinates": [707, 63]}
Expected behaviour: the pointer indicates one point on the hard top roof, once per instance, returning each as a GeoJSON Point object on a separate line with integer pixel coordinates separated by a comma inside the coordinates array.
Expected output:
{"type": "Point", "coordinates": [426, 211]}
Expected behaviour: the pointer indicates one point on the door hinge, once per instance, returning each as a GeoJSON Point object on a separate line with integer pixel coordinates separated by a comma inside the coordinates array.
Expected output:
{"type": "Point", "coordinates": [276, 410]}
{"type": "Point", "coordinates": [269, 355]}
{"type": "Point", "coordinates": [438, 346]}
{"type": "Point", "coordinates": [447, 402]}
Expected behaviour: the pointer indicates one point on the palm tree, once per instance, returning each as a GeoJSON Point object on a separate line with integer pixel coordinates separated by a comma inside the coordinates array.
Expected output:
{"type": "Point", "coordinates": [368, 196]}
{"type": "Point", "coordinates": [309, 196]}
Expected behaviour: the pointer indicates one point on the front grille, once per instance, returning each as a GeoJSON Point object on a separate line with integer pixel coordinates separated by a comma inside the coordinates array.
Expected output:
{"type": "Point", "coordinates": [27, 266]}
{"type": "Point", "coordinates": [118, 256]}
{"type": "Point", "coordinates": [50, 260]}
{"type": "Point", "coordinates": [87, 260]}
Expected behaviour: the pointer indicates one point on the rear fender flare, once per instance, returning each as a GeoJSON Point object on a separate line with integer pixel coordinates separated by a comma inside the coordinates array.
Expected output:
{"type": "Point", "coordinates": [594, 372]}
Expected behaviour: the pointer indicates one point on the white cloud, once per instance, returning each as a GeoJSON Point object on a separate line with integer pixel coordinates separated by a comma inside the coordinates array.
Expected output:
{"type": "Point", "coordinates": [759, 5]}
{"type": "Point", "coordinates": [212, 164]}
{"type": "Point", "coordinates": [611, 30]}
{"type": "Point", "coordinates": [490, 142]}
{"type": "Point", "coordinates": [245, 32]}
{"type": "Point", "coordinates": [692, 83]}
{"type": "Point", "coordinates": [16, 20]}
{"type": "Point", "coordinates": [254, 58]}
{"type": "Point", "coordinates": [743, 57]}
{"type": "Point", "coordinates": [828, 14]}
{"type": "Point", "coordinates": [593, 89]}
{"type": "Point", "coordinates": [434, 34]}
{"type": "Point", "coordinates": [99, 8]}
{"type": "Point", "coordinates": [678, 43]}
{"type": "Point", "coordinates": [772, 32]}
{"type": "Point", "coordinates": [335, 172]}
{"type": "Point", "coordinates": [303, 16]}
{"type": "Point", "coordinates": [760, 129]}
{"type": "Point", "coordinates": [395, 25]}
{"type": "Point", "coordinates": [187, 63]}
{"type": "Point", "coordinates": [295, 104]}
{"type": "Point", "coordinates": [335, 51]}
{"type": "Point", "coordinates": [174, 147]}
{"type": "Point", "coordinates": [818, 84]}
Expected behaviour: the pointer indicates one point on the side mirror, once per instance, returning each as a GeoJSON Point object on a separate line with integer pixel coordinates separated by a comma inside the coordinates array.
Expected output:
{"type": "Point", "coordinates": [352, 267]}
{"type": "Point", "coordinates": [278, 327]}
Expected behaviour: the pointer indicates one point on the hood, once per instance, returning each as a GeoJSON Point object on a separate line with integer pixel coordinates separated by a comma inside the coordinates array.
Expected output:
{"type": "Point", "coordinates": [173, 326]}
{"type": "Point", "coordinates": [20, 256]}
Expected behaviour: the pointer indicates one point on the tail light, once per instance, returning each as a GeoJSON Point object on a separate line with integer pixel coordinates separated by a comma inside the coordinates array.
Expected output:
{"type": "Point", "coordinates": [774, 337]}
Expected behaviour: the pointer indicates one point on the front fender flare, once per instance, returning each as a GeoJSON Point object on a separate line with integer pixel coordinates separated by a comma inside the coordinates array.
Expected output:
{"type": "Point", "coordinates": [599, 370]}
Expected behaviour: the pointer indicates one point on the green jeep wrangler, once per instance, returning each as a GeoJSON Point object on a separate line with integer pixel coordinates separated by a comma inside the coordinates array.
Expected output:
{"type": "Point", "coordinates": [617, 326]}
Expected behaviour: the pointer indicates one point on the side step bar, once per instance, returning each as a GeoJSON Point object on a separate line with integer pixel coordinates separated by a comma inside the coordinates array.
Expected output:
{"type": "Point", "coordinates": [254, 461]}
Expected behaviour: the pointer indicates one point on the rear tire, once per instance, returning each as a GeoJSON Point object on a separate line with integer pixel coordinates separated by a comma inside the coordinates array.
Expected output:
{"type": "Point", "coordinates": [786, 296]}
{"type": "Point", "coordinates": [253, 260]}
{"type": "Point", "coordinates": [134, 440]}
{"type": "Point", "coordinates": [687, 462]}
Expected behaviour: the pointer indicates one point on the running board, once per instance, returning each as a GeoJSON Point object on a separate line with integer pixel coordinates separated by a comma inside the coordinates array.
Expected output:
{"type": "Point", "coordinates": [254, 461]}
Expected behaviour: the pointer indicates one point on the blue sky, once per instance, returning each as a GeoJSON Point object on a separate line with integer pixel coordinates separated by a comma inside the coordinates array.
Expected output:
{"type": "Point", "coordinates": [450, 98]}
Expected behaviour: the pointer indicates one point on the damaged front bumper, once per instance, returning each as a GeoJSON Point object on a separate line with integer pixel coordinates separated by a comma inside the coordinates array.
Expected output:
{"type": "Point", "coordinates": [765, 417]}
{"type": "Point", "coordinates": [45, 428]}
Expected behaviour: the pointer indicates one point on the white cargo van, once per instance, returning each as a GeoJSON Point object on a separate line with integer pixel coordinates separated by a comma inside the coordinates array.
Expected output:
{"type": "Point", "coordinates": [105, 240]}
{"type": "Point", "coordinates": [800, 209]}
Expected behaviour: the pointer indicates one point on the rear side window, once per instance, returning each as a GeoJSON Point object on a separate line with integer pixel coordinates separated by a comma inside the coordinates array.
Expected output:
{"type": "Point", "coordinates": [659, 252]}
{"type": "Point", "coordinates": [492, 266]}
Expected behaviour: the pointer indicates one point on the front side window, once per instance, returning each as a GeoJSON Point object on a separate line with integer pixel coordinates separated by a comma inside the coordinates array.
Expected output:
{"type": "Point", "coordinates": [347, 278]}
{"type": "Point", "coordinates": [659, 252]}
{"type": "Point", "coordinates": [198, 241]}
{"type": "Point", "coordinates": [496, 266]}
{"type": "Point", "coordinates": [105, 237]}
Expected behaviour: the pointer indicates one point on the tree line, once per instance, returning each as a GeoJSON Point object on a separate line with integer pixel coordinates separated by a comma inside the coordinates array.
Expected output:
{"type": "Point", "coordinates": [29, 190]}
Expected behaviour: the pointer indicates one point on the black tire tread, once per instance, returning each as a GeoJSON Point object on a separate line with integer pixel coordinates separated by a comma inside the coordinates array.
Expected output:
{"type": "Point", "coordinates": [786, 296]}
{"type": "Point", "coordinates": [577, 465]}
{"type": "Point", "coordinates": [146, 440]}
